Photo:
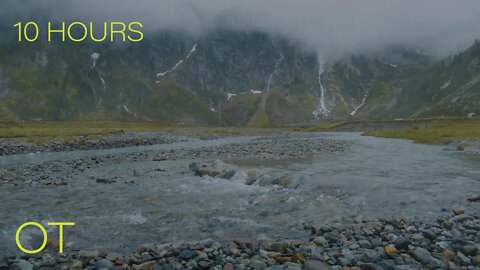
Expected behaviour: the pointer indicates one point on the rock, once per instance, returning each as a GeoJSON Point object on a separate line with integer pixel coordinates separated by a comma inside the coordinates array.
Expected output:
{"type": "Point", "coordinates": [460, 218]}
{"type": "Point", "coordinates": [332, 237]}
{"type": "Point", "coordinates": [228, 266]}
{"type": "Point", "coordinates": [251, 180]}
{"type": "Point", "coordinates": [293, 266]}
{"type": "Point", "coordinates": [462, 259]}
{"type": "Point", "coordinates": [386, 265]}
{"type": "Point", "coordinates": [316, 265]}
{"type": "Point", "coordinates": [320, 241]}
{"type": "Point", "coordinates": [4, 266]}
{"type": "Point", "coordinates": [228, 174]}
{"type": "Point", "coordinates": [235, 252]}
{"type": "Point", "coordinates": [102, 263]}
{"type": "Point", "coordinates": [475, 198]}
{"type": "Point", "coordinates": [429, 234]}
{"type": "Point", "coordinates": [258, 265]}
{"type": "Point", "coordinates": [187, 255]}
{"type": "Point", "coordinates": [442, 245]}
{"type": "Point", "coordinates": [354, 246]}
{"type": "Point", "coordinates": [48, 260]}
{"type": "Point", "coordinates": [466, 247]}
{"type": "Point", "coordinates": [276, 267]}
{"type": "Point", "coordinates": [284, 180]}
{"type": "Point", "coordinates": [24, 265]}
{"type": "Point", "coordinates": [76, 265]}
{"type": "Point", "coordinates": [377, 242]}
{"type": "Point", "coordinates": [266, 180]}
{"type": "Point", "coordinates": [389, 228]}
{"type": "Point", "coordinates": [370, 256]}
{"type": "Point", "coordinates": [447, 234]}
{"type": "Point", "coordinates": [105, 180]}
{"type": "Point", "coordinates": [216, 169]}
{"type": "Point", "coordinates": [448, 254]}
{"type": "Point", "coordinates": [458, 211]}
{"type": "Point", "coordinates": [437, 264]}
{"type": "Point", "coordinates": [282, 259]}
{"type": "Point", "coordinates": [390, 250]}
{"type": "Point", "coordinates": [476, 260]}
{"type": "Point", "coordinates": [422, 255]}
{"type": "Point", "coordinates": [469, 250]}
{"type": "Point", "coordinates": [146, 266]}
{"type": "Point", "coordinates": [447, 224]}
{"type": "Point", "coordinates": [169, 266]}
{"type": "Point", "coordinates": [278, 247]}
{"type": "Point", "coordinates": [196, 246]}
{"type": "Point", "coordinates": [453, 266]}
{"type": "Point", "coordinates": [298, 258]}
{"type": "Point", "coordinates": [205, 264]}
{"type": "Point", "coordinates": [401, 243]}
{"type": "Point", "coordinates": [193, 166]}
{"type": "Point", "coordinates": [364, 244]}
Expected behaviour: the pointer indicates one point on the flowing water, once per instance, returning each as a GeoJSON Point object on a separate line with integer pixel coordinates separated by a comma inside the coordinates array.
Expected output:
{"type": "Point", "coordinates": [374, 178]}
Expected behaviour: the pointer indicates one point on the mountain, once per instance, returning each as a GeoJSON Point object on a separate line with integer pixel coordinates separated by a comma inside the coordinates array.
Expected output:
{"type": "Point", "coordinates": [228, 78]}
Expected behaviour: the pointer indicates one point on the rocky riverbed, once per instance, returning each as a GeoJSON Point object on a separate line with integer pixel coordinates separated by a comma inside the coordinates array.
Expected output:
{"type": "Point", "coordinates": [55, 173]}
{"type": "Point", "coordinates": [271, 201]}
{"type": "Point", "coordinates": [15, 146]}
{"type": "Point", "coordinates": [451, 242]}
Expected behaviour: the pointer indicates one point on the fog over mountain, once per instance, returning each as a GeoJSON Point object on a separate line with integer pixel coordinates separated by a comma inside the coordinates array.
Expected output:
{"type": "Point", "coordinates": [334, 28]}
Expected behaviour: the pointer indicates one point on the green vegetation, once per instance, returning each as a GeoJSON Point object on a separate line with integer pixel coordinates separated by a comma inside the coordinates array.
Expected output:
{"type": "Point", "coordinates": [325, 126]}
{"type": "Point", "coordinates": [36, 132]}
{"type": "Point", "coordinates": [259, 119]}
{"type": "Point", "coordinates": [442, 131]}
{"type": "Point", "coordinates": [217, 131]}
{"type": "Point", "coordinates": [238, 110]}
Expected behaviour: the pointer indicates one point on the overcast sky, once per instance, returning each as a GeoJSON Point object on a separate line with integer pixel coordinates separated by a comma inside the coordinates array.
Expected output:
{"type": "Point", "coordinates": [333, 27]}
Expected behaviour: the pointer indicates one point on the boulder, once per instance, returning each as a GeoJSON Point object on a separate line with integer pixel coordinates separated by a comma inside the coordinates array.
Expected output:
{"type": "Point", "coordinates": [216, 169]}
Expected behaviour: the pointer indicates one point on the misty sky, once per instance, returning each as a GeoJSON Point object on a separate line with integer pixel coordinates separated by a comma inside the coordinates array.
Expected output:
{"type": "Point", "coordinates": [332, 27]}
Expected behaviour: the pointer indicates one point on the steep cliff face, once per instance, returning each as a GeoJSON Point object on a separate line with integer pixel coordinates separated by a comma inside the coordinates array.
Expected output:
{"type": "Point", "coordinates": [227, 77]}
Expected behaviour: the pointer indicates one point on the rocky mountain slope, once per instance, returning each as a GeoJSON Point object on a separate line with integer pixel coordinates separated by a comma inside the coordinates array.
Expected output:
{"type": "Point", "coordinates": [228, 78]}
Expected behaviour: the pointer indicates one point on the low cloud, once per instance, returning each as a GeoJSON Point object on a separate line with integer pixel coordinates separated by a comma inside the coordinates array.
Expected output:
{"type": "Point", "coordinates": [334, 28]}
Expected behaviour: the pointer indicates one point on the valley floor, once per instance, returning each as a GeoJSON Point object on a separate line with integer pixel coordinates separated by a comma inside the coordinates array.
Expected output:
{"type": "Point", "coordinates": [242, 199]}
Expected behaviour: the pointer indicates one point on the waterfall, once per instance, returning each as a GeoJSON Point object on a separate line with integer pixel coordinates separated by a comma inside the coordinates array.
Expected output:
{"type": "Point", "coordinates": [179, 63]}
{"type": "Point", "coordinates": [321, 107]}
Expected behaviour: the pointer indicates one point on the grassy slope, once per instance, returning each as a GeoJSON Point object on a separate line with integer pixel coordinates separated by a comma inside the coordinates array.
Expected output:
{"type": "Point", "coordinates": [45, 131]}
{"type": "Point", "coordinates": [442, 131]}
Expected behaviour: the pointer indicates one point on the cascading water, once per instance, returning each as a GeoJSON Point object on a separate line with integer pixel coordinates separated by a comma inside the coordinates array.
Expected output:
{"type": "Point", "coordinates": [179, 63]}
{"type": "Point", "coordinates": [128, 111]}
{"type": "Point", "coordinates": [95, 57]}
{"type": "Point", "coordinates": [277, 65]}
{"type": "Point", "coordinates": [321, 110]}
{"type": "Point", "coordinates": [358, 107]}
{"type": "Point", "coordinates": [98, 100]}
{"type": "Point", "coordinates": [103, 83]}
{"type": "Point", "coordinates": [270, 78]}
